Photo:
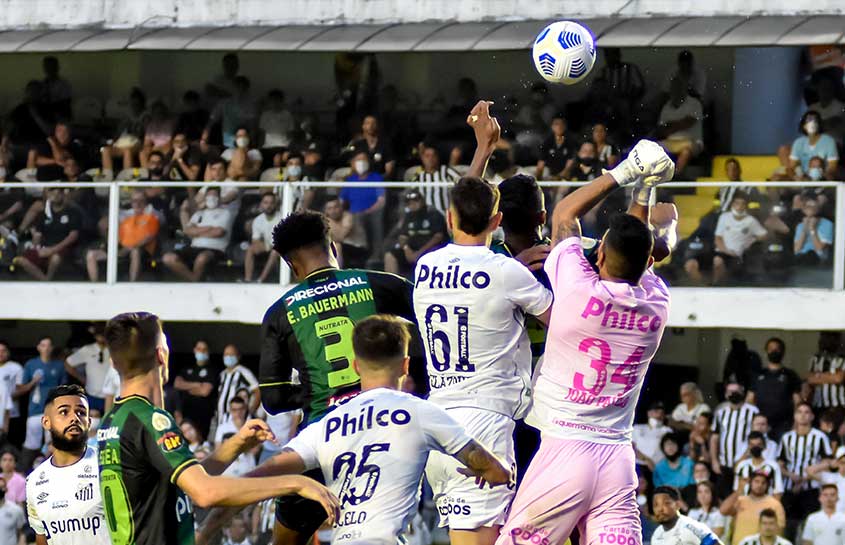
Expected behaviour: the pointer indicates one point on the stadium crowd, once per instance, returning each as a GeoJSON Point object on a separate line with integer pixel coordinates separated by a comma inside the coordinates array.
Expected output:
{"type": "Point", "coordinates": [224, 132]}
{"type": "Point", "coordinates": [763, 453]}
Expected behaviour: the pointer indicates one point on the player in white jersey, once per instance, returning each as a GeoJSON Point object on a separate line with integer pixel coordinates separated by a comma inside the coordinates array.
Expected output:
{"type": "Point", "coordinates": [605, 328]}
{"type": "Point", "coordinates": [63, 493]}
{"type": "Point", "coordinates": [675, 528]}
{"type": "Point", "coordinates": [373, 448]}
{"type": "Point", "coordinates": [470, 305]}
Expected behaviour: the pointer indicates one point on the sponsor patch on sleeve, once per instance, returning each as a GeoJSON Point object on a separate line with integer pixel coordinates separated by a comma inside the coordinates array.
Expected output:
{"type": "Point", "coordinates": [160, 422]}
{"type": "Point", "coordinates": [170, 441]}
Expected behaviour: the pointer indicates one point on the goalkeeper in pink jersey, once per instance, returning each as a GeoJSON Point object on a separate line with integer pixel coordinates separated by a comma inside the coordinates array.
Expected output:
{"type": "Point", "coordinates": [605, 328]}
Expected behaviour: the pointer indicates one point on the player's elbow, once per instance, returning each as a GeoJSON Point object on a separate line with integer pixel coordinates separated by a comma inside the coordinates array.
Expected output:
{"type": "Point", "coordinates": [281, 398]}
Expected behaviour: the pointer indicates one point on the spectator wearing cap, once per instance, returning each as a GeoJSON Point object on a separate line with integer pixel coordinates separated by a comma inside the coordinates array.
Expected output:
{"type": "Point", "coordinates": [646, 437]}
{"type": "Point", "coordinates": [689, 409]}
{"type": "Point", "coordinates": [826, 526]}
{"type": "Point", "coordinates": [831, 471]}
{"type": "Point", "coordinates": [674, 469]}
{"type": "Point", "coordinates": [813, 236]}
{"type": "Point", "coordinates": [348, 235]}
{"type": "Point", "coordinates": [747, 508]}
{"type": "Point", "coordinates": [729, 441]}
{"type": "Point", "coordinates": [378, 151]}
{"type": "Point", "coordinates": [262, 238]}
{"type": "Point", "coordinates": [420, 231]}
{"type": "Point", "coordinates": [89, 365]}
{"type": "Point", "coordinates": [776, 389]}
{"type": "Point", "coordinates": [365, 203]}
{"type": "Point", "coordinates": [754, 461]}
{"type": "Point", "coordinates": [436, 198]}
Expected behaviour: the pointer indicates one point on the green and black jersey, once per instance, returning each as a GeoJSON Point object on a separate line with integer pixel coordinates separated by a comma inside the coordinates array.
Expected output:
{"type": "Point", "coordinates": [142, 454]}
{"type": "Point", "coordinates": [310, 330]}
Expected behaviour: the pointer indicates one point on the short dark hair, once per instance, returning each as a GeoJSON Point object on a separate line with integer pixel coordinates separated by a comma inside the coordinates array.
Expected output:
{"type": "Point", "coordinates": [381, 339]}
{"type": "Point", "coordinates": [5, 343]}
{"type": "Point", "coordinates": [11, 450]}
{"type": "Point", "coordinates": [740, 195]}
{"type": "Point", "coordinates": [237, 400]}
{"type": "Point", "coordinates": [627, 247]}
{"type": "Point", "coordinates": [671, 436]}
{"type": "Point", "coordinates": [804, 117]}
{"type": "Point", "coordinates": [670, 491]}
{"type": "Point", "coordinates": [301, 230]}
{"type": "Point", "coordinates": [805, 403]}
{"type": "Point", "coordinates": [133, 338]}
{"type": "Point", "coordinates": [157, 153]}
{"type": "Point", "coordinates": [768, 513]}
{"type": "Point", "coordinates": [708, 415]}
{"type": "Point", "coordinates": [475, 201]}
{"type": "Point", "coordinates": [65, 390]}
{"type": "Point", "coordinates": [295, 155]}
{"type": "Point", "coordinates": [829, 485]}
{"type": "Point", "coordinates": [733, 160]}
{"type": "Point", "coordinates": [521, 202]}
{"type": "Point", "coordinates": [779, 341]}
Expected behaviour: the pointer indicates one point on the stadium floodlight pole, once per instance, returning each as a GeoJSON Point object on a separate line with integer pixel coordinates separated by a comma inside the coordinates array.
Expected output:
{"type": "Point", "coordinates": [839, 240]}
{"type": "Point", "coordinates": [287, 209]}
{"type": "Point", "coordinates": [111, 247]}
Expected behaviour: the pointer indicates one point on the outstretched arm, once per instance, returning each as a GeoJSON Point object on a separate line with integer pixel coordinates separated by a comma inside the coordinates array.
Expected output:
{"type": "Point", "coordinates": [570, 209]}
{"type": "Point", "coordinates": [487, 131]}
{"type": "Point", "coordinates": [482, 465]}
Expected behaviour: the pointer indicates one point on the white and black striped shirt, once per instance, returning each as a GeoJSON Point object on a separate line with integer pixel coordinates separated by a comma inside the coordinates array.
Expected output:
{"type": "Point", "coordinates": [745, 468]}
{"type": "Point", "coordinates": [239, 377]}
{"type": "Point", "coordinates": [801, 451]}
{"type": "Point", "coordinates": [733, 427]}
{"type": "Point", "coordinates": [755, 540]}
{"type": "Point", "coordinates": [828, 395]}
{"type": "Point", "coordinates": [438, 197]}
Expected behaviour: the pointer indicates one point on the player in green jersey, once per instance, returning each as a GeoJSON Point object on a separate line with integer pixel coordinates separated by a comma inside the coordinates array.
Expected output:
{"type": "Point", "coordinates": [148, 475]}
{"type": "Point", "coordinates": [309, 329]}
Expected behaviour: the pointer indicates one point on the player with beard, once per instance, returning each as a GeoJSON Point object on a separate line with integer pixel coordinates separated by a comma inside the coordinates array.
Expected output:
{"type": "Point", "coordinates": [63, 493]}
{"type": "Point", "coordinates": [675, 528]}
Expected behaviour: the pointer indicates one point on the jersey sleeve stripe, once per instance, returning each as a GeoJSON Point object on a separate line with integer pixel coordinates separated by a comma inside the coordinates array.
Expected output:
{"type": "Point", "coordinates": [182, 467]}
{"type": "Point", "coordinates": [266, 384]}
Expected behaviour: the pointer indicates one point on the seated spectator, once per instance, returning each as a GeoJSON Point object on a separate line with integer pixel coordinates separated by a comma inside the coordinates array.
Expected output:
{"type": "Point", "coordinates": [192, 435]}
{"type": "Point", "coordinates": [55, 236]}
{"type": "Point", "coordinates": [689, 409]}
{"type": "Point", "coordinates": [130, 133]}
{"type": "Point", "coordinates": [57, 149]}
{"type": "Point", "coordinates": [348, 235]}
{"type": "Point", "coordinates": [276, 122]}
{"type": "Point", "coordinates": [57, 90]}
{"type": "Point", "coordinates": [813, 142]}
{"type": "Point", "coordinates": [262, 238]}
{"type": "Point", "coordinates": [680, 129]}
{"type": "Point", "coordinates": [769, 529]}
{"type": "Point", "coordinates": [753, 461]}
{"type": "Point", "coordinates": [230, 196]}
{"type": "Point", "coordinates": [380, 152]}
{"type": "Point", "coordinates": [826, 526]}
{"type": "Point", "coordinates": [193, 118]}
{"type": "Point", "coordinates": [755, 511]}
{"type": "Point", "coordinates": [185, 161]}
{"type": "Point", "coordinates": [232, 113]}
{"type": "Point", "coordinates": [12, 202]}
{"type": "Point", "coordinates": [707, 508]}
{"type": "Point", "coordinates": [674, 469]}
{"type": "Point", "coordinates": [244, 160]}
{"type": "Point", "coordinates": [436, 198]}
{"type": "Point", "coordinates": [607, 153]}
{"type": "Point", "coordinates": [158, 131]}
{"type": "Point", "coordinates": [366, 203]}
{"type": "Point", "coordinates": [420, 231]}
{"type": "Point", "coordinates": [831, 472]}
{"type": "Point", "coordinates": [815, 170]}
{"type": "Point", "coordinates": [291, 170]}
{"type": "Point", "coordinates": [238, 414]}
{"type": "Point", "coordinates": [556, 152]}
{"type": "Point", "coordinates": [733, 173]}
{"type": "Point", "coordinates": [209, 230]}
{"type": "Point", "coordinates": [586, 166]}
{"type": "Point", "coordinates": [238, 532]}
{"type": "Point", "coordinates": [156, 172]}
{"type": "Point", "coordinates": [813, 236]}
{"type": "Point", "coordinates": [699, 438]}
{"type": "Point", "coordinates": [647, 437]}
{"type": "Point", "coordinates": [831, 110]}
{"type": "Point", "coordinates": [137, 236]}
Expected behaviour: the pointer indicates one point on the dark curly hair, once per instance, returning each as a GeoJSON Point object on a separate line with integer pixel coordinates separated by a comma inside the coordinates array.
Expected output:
{"type": "Point", "coordinates": [301, 230]}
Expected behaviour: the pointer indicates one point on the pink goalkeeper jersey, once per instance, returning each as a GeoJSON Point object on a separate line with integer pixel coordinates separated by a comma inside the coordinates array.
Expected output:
{"type": "Point", "coordinates": [601, 338]}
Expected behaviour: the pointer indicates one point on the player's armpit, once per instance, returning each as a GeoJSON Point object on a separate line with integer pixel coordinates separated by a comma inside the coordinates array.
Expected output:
{"type": "Point", "coordinates": [482, 465]}
{"type": "Point", "coordinates": [545, 317]}
{"type": "Point", "coordinates": [286, 462]}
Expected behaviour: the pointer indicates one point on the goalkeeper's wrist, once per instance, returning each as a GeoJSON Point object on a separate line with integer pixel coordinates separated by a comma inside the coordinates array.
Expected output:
{"type": "Point", "coordinates": [624, 173]}
{"type": "Point", "coordinates": [642, 195]}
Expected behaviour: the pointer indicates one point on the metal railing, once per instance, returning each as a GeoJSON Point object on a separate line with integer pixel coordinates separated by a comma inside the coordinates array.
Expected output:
{"type": "Point", "coordinates": [287, 190]}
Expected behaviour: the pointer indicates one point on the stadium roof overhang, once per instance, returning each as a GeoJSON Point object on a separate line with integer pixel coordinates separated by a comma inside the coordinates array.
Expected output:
{"type": "Point", "coordinates": [730, 31]}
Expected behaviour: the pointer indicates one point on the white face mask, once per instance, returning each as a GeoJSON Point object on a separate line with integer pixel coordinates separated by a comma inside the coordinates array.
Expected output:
{"type": "Point", "coordinates": [815, 174]}
{"type": "Point", "coordinates": [361, 166]}
{"type": "Point", "coordinates": [812, 126]}
{"type": "Point", "coordinates": [294, 171]}
{"type": "Point", "coordinates": [738, 214]}
{"type": "Point", "coordinates": [242, 141]}
{"type": "Point", "coordinates": [230, 361]}
{"type": "Point", "coordinates": [211, 202]}
{"type": "Point", "coordinates": [655, 422]}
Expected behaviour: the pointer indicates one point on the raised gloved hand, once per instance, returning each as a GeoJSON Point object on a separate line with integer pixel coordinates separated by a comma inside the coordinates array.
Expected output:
{"type": "Point", "coordinates": [647, 164]}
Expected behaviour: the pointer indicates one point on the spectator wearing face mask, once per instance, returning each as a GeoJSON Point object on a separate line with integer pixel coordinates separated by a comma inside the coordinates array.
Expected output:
{"type": "Point", "coordinates": [729, 441]}
{"type": "Point", "coordinates": [586, 166]}
{"type": "Point", "coordinates": [647, 437]}
{"type": "Point", "coordinates": [244, 160]}
{"type": "Point", "coordinates": [262, 238]}
{"type": "Point", "coordinates": [292, 171]}
{"type": "Point", "coordinates": [197, 386]}
{"type": "Point", "coordinates": [366, 203]}
{"type": "Point", "coordinates": [813, 236]}
{"type": "Point", "coordinates": [813, 142]}
{"type": "Point", "coordinates": [674, 469]}
{"type": "Point", "coordinates": [234, 377]}
{"type": "Point", "coordinates": [215, 175]}
{"type": "Point", "coordinates": [232, 113]}
{"type": "Point", "coordinates": [761, 424]}
{"type": "Point", "coordinates": [754, 461]}
{"type": "Point", "coordinates": [776, 389]}
{"type": "Point", "coordinates": [379, 151]}
{"type": "Point", "coordinates": [209, 231]}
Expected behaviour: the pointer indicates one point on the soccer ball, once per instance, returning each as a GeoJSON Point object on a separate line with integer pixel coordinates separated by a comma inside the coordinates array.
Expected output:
{"type": "Point", "coordinates": [564, 52]}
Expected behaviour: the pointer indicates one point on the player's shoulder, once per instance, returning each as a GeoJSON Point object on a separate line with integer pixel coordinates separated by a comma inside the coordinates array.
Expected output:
{"type": "Point", "coordinates": [698, 528]}
{"type": "Point", "coordinates": [40, 476]}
